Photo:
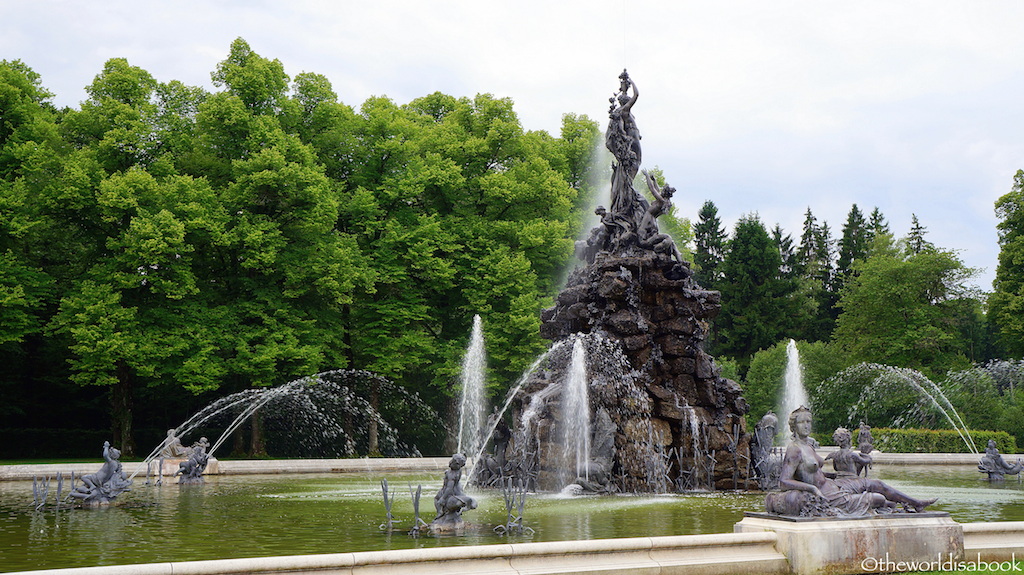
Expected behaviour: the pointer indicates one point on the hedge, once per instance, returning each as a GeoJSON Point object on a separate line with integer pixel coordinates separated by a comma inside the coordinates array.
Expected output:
{"type": "Point", "coordinates": [938, 441]}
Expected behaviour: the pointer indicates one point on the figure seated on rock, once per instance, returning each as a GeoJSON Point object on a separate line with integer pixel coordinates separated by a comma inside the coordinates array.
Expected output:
{"type": "Point", "coordinates": [172, 447]}
{"type": "Point", "coordinates": [107, 483]}
{"type": "Point", "coordinates": [649, 234]}
{"type": "Point", "coordinates": [451, 500]}
{"type": "Point", "coordinates": [809, 491]}
{"type": "Point", "coordinates": [994, 464]}
{"type": "Point", "coordinates": [846, 461]}
{"type": "Point", "coordinates": [599, 239]}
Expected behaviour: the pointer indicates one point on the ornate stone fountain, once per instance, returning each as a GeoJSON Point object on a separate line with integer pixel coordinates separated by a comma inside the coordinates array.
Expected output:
{"type": "Point", "coordinates": [661, 416]}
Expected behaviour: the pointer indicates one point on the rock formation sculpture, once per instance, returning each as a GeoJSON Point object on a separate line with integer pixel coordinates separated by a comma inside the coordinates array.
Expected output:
{"type": "Point", "coordinates": [670, 413]}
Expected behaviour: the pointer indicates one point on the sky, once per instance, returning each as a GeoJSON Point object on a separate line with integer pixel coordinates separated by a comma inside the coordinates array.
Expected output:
{"type": "Point", "coordinates": [772, 108]}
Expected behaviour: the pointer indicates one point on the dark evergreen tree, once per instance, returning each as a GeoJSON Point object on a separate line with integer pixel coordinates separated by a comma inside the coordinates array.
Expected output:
{"type": "Point", "coordinates": [853, 246]}
{"type": "Point", "coordinates": [876, 225]}
{"type": "Point", "coordinates": [710, 238]}
{"type": "Point", "coordinates": [915, 241]}
{"type": "Point", "coordinates": [759, 306]}
{"type": "Point", "coordinates": [787, 253]}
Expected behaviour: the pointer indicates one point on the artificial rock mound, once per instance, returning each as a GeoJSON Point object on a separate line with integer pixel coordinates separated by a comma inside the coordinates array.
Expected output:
{"type": "Point", "coordinates": [677, 423]}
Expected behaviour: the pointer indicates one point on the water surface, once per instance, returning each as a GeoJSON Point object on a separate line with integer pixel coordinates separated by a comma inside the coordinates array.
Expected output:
{"type": "Point", "coordinates": [253, 516]}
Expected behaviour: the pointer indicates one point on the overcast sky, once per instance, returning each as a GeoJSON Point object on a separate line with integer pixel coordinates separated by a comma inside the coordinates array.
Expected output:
{"type": "Point", "coordinates": [768, 107]}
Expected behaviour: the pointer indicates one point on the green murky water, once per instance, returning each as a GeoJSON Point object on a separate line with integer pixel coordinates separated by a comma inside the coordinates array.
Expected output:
{"type": "Point", "coordinates": [252, 516]}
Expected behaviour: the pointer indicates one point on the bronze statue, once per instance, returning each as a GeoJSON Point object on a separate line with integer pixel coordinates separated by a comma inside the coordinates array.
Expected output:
{"type": "Point", "coordinates": [450, 501]}
{"type": "Point", "coordinates": [995, 466]}
{"type": "Point", "coordinates": [103, 486]}
{"type": "Point", "coordinates": [846, 461]}
{"type": "Point", "coordinates": [810, 491]}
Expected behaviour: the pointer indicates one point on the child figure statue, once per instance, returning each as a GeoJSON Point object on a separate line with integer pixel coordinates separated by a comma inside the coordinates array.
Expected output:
{"type": "Point", "coordinates": [451, 500]}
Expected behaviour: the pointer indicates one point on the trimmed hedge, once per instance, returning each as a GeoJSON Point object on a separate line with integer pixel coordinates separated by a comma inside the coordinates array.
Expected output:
{"type": "Point", "coordinates": [938, 441]}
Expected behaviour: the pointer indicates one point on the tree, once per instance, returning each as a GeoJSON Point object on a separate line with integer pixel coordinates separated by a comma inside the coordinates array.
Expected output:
{"type": "Point", "coordinates": [759, 306]}
{"type": "Point", "coordinates": [902, 310]}
{"type": "Point", "coordinates": [784, 242]}
{"type": "Point", "coordinates": [915, 242]}
{"type": "Point", "coordinates": [259, 83]}
{"type": "Point", "coordinates": [876, 225]}
{"type": "Point", "coordinates": [853, 245]}
{"type": "Point", "coordinates": [710, 238]}
{"type": "Point", "coordinates": [1006, 304]}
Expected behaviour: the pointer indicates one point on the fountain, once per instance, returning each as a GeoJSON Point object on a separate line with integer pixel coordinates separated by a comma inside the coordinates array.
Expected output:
{"type": "Point", "coordinates": [471, 406]}
{"type": "Point", "coordinates": [793, 393]}
{"type": "Point", "coordinates": [324, 415]}
{"type": "Point", "coordinates": [659, 409]}
{"type": "Point", "coordinates": [879, 384]}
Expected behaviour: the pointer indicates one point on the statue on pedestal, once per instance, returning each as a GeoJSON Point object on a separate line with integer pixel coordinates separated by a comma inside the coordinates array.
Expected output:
{"type": "Point", "coordinates": [809, 491]}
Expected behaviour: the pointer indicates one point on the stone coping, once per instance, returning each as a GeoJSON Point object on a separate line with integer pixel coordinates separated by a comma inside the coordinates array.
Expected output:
{"type": "Point", "coordinates": [714, 554]}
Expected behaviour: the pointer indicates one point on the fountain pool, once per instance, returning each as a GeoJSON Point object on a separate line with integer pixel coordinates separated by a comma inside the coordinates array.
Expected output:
{"type": "Point", "coordinates": [253, 516]}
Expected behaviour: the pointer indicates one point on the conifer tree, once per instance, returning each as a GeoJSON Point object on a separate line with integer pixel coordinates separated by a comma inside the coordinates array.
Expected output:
{"type": "Point", "coordinates": [710, 238]}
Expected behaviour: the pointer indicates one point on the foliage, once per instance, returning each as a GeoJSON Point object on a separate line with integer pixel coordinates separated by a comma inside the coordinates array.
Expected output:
{"type": "Point", "coordinates": [759, 306]}
{"type": "Point", "coordinates": [938, 440]}
{"type": "Point", "coordinates": [763, 385]}
{"type": "Point", "coordinates": [1006, 304]}
{"type": "Point", "coordinates": [163, 238]}
{"type": "Point", "coordinates": [905, 310]}
{"type": "Point", "coordinates": [710, 239]}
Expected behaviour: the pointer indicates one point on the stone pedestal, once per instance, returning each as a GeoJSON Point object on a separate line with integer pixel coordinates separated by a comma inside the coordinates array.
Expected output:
{"type": "Point", "coordinates": [857, 545]}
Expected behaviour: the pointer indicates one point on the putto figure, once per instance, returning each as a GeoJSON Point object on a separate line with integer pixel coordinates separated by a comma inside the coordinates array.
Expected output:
{"type": "Point", "coordinates": [102, 487]}
{"type": "Point", "coordinates": [995, 466]}
{"type": "Point", "coordinates": [846, 461]}
{"type": "Point", "coordinates": [450, 501]}
{"type": "Point", "coordinates": [809, 491]}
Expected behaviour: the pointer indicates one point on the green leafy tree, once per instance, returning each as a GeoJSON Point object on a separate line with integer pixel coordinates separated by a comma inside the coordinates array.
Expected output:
{"type": "Point", "coordinates": [903, 310]}
{"type": "Point", "coordinates": [1006, 304]}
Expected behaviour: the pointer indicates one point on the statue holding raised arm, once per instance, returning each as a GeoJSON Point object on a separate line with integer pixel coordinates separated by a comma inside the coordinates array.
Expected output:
{"type": "Point", "coordinates": [650, 236]}
{"type": "Point", "coordinates": [103, 486]}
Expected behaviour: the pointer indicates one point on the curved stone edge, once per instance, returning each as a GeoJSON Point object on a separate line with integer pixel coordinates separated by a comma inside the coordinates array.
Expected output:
{"type": "Point", "coordinates": [716, 554]}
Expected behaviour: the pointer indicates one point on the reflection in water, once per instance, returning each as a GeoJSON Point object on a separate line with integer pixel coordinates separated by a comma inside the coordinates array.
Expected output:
{"type": "Point", "coordinates": [252, 516]}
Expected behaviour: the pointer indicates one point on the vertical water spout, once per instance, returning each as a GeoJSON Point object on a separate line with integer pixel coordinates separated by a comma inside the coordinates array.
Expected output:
{"type": "Point", "coordinates": [793, 393]}
{"type": "Point", "coordinates": [471, 409]}
{"type": "Point", "coordinates": [576, 411]}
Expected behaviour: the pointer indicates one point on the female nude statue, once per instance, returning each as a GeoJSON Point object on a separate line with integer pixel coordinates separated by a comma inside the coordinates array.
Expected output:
{"type": "Point", "coordinates": [810, 491]}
